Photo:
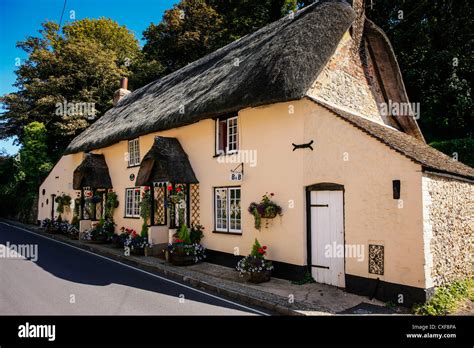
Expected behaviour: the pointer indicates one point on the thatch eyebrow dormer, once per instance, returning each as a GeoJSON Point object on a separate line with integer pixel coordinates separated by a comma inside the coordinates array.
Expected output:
{"type": "Point", "coordinates": [275, 64]}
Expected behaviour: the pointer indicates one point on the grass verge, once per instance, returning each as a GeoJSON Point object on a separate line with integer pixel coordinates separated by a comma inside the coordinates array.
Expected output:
{"type": "Point", "coordinates": [447, 298]}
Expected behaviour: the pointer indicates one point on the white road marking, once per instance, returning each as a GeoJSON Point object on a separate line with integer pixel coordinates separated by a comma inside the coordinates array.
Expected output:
{"type": "Point", "coordinates": [138, 269]}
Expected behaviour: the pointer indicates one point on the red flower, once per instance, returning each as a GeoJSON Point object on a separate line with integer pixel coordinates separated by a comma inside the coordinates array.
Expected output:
{"type": "Point", "coordinates": [261, 251]}
{"type": "Point", "coordinates": [170, 187]}
{"type": "Point", "coordinates": [272, 194]}
{"type": "Point", "coordinates": [264, 247]}
{"type": "Point", "coordinates": [147, 188]}
{"type": "Point", "coordinates": [178, 241]}
{"type": "Point", "coordinates": [178, 189]}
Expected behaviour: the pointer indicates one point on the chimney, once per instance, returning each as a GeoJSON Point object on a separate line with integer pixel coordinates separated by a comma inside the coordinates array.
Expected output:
{"type": "Point", "coordinates": [122, 91]}
{"type": "Point", "coordinates": [358, 24]}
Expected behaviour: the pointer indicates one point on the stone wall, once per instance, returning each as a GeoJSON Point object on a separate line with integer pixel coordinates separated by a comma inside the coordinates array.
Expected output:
{"type": "Point", "coordinates": [448, 214]}
{"type": "Point", "coordinates": [349, 80]}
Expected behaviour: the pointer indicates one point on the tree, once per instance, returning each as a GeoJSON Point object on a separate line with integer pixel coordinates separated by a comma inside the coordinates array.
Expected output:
{"type": "Point", "coordinates": [195, 28]}
{"type": "Point", "coordinates": [33, 156]}
{"type": "Point", "coordinates": [65, 74]}
{"type": "Point", "coordinates": [20, 177]}
{"type": "Point", "coordinates": [186, 33]}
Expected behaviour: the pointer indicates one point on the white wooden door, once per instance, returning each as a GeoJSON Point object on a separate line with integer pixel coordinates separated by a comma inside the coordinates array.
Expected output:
{"type": "Point", "coordinates": [327, 237]}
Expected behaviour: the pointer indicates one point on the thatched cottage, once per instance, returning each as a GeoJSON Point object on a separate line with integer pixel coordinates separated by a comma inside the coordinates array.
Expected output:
{"type": "Point", "coordinates": [298, 109]}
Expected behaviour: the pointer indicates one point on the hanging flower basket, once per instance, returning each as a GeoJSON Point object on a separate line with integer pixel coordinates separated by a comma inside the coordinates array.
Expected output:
{"type": "Point", "coordinates": [266, 209]}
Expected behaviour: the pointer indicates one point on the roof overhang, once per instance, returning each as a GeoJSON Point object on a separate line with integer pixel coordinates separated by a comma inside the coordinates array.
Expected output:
{"type": "Point", "coordinates": [390, 76]}
{"type": "Point", "coordinates": [166, 162]}
{"type": "Point", "coordinates": [92, 172]}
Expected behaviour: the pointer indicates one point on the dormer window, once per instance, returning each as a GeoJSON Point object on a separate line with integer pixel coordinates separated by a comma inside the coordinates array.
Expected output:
{"type": "Point", "coordinates": [133, 152]}
{"type": "Point", "coordinates": [227, 135]}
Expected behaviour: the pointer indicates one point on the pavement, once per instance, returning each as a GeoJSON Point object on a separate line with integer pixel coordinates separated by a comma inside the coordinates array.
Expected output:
{"type": "Point", "coordinates": [277, 296]}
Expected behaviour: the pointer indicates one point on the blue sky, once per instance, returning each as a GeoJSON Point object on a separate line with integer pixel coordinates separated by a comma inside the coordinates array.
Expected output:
{"type": "Point", "coordinates": [22, 18]}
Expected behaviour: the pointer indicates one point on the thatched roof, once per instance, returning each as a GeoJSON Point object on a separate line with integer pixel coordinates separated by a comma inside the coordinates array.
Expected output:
{"type": "Point", "coordinates": [166, 162]}
{"type": "Point", "coordinates": [92, 172]}
{"type": "Point", "coordinates": [392, 84]}
{"type": "Point", "coordinates": [276, 63]}
{"type": "Point", "coordinates": [416, 150]}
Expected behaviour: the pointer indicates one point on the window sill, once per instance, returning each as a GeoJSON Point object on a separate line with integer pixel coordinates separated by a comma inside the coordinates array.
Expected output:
{"type": "Point", "coordinates": [231, 233]}
{"type": "Point", "coordinates": [134, 166]}
{"type": "Point", "coordinates": [217, 155]}
{"type": "Point", "coordinates": [131, 217]}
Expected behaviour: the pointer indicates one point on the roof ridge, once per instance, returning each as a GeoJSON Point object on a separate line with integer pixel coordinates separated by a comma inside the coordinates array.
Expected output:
{"type": "Point", "coordinates": [276, 63]}
{"type": "Point", "coordinates": [214, 54]}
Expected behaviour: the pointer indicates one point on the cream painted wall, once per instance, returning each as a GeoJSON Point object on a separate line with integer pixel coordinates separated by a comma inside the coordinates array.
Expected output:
{"type": "Point", "coordinates": [59, 181]}
{"type": "Point", "coordinates": [370, 212]}
{"type": "Point", "coordinates": [372, 216]}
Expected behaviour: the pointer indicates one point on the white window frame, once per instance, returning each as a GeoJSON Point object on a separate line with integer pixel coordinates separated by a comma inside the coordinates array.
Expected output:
{"type": "Point", "coordinates": [232, 123]}
{"type": "Point", "coordinates": [133, 152]}
{"type": "Point", "coordinates": [228, 201]}
{"type": "Point", "coordinates": [132, 202]}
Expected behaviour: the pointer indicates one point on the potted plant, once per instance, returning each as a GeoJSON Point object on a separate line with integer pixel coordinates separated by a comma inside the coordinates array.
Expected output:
{"type": "Point", "coordinates": [254, 268]}
{"type": "Point", "coordinates": [183, 252]}
{"type": "Point", "coordinates": [118, 240]}
{"type": "Point", "coordinates": [136, 243]}
{"type": "Point", "coordinates": [266, 209]}
{"type": "Point", "coordinates": [73, 232]}
{"type": "Point", "coordinates": [98, 236]}
{"type": "Point", "coordinates": [102, 232]}
{"type": "Point", "coordinates": [51, 226]}
{"type": "Point", "coordinates": [111, 203]}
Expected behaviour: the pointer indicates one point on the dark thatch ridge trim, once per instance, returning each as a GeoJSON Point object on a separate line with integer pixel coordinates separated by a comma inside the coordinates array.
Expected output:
{"type": "Point", "coordinates": [277, 63]}
{"type": "Point", "coordinates": [387, 67]}
{"type": "Point", "coordinates": [414, 149]}
{"type": "Point", "coordinates": [166, 162]}
{"type": "Point", "coordinates": [92, 172]}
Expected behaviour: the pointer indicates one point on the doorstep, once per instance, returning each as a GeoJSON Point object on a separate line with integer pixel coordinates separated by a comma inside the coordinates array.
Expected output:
{"type": "Point", "coordinates": [278, 295]}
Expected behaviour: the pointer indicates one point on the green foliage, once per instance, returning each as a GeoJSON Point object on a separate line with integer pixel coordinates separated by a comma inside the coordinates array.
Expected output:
{"type": "Point", "coordinates": [8, 185]}
{"type": "Point", "coordinates": [196, 234]}
{"type": "Point", "coordinates": [446, 298]}
{"type": "Point", "coordinates": [194, 28]}
{"type": "Point", "coordinates": [463, 149]}
{"type": "Point", "coordinates": [63, 201]}
{"type": "Point", "coordinates": [21, 176]}
{"type": "Point", "coordinates": [111, 204]}
{"type": "Point", "coordinates": [307, 279]}
{"type": "Point", "coordinates": [75, 221]}
{"type": "Point", "coordinates": [83, 64]}
{"type": "Point", "coordinates": [258, 251]}
{"type": "Point", "coordinates": [183, 234]}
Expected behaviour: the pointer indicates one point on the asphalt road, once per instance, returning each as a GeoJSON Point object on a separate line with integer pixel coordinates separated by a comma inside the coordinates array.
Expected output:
{"type": "Point", "coordinates": [65, 280]}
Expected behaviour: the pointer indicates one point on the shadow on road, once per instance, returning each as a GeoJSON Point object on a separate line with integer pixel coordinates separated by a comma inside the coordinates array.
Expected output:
{"type": "Point", "coordinates": [78, 266]}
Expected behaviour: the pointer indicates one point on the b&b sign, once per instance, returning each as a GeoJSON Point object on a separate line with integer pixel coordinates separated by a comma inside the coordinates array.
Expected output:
{"type": "Point", "coordinates": [235, 177]}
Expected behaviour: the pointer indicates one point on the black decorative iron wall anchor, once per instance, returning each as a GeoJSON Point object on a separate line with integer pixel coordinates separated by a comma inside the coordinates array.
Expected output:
{"type": "Point", "coordinates": [302, 146]}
